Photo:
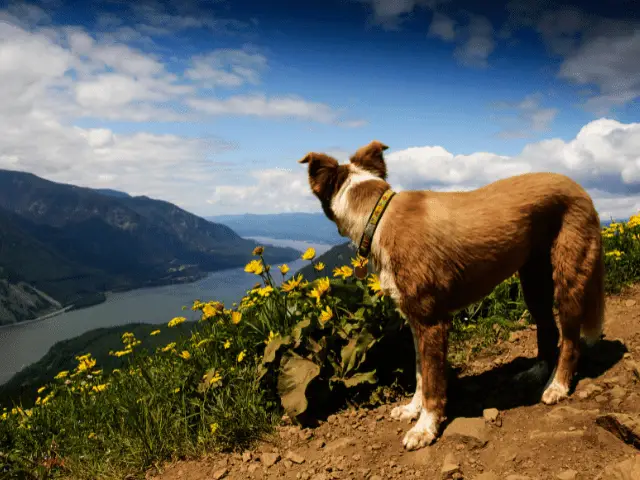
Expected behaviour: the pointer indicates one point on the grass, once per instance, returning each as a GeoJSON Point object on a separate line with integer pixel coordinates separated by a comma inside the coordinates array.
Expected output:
{"type": "Point", "coordinates": [207, 388]}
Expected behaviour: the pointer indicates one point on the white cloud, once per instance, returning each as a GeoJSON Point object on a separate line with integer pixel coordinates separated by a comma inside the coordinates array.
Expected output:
{"type": "Point", "coordinates": [227, 68]}
{"type": "Point", "coordinates": [530, 117]}
{"type": "Point", "coordinates": [604, 157]}
{"type": "Point", "coordinates": [442, 27]}
{"type": "Point", "coordinates": [390, 13]}
{"type": "Point", "coordinates": [261, 106]}
{"type": "Point", "coordinates": [478, 42]}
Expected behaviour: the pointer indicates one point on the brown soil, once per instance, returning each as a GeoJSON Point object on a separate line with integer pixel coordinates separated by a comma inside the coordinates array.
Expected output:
{"type": "Point", "coordinates": [534, 441]}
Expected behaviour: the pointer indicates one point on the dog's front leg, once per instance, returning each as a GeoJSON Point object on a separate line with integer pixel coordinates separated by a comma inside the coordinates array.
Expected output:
{"type": "Point", "coordinates": [431, 338]}
{"type": "Point", "coordinates": [411, 410]}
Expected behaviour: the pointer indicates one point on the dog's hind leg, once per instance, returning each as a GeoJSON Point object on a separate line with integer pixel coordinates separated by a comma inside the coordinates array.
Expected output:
{"type": "Point", "coordinates": [432, 345]}
{"type": "Point", "coordinates": [578, 273]}
{"type": "Point", "coordinates": [411, 410]}
{"type": "Point", "coordinates": [536, 280]}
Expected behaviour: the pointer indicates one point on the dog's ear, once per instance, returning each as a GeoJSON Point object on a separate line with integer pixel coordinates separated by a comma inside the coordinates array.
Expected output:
{"type": "Point", "coordinates": [323, 170]}
{"type": "Point", "coordinates": [370, 158]}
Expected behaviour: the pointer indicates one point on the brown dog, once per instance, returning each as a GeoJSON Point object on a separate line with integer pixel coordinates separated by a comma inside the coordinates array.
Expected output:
{"type": "Point", "coordinates": [438, 252]}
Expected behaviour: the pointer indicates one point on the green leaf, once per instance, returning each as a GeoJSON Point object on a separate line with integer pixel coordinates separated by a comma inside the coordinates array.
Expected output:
{"type": "Point", "coordinates": [354, 353]}
{"type": "Point", "coordinates": [271, 350]}
{"type": "Point", "coordinates": [360, 378]}
{"type": "Point", "coordinates": [295, 375]}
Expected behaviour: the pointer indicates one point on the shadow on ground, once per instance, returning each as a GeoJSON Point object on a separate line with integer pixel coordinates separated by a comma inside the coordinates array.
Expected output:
{"type": "Point", "coordinates": [495, 388]}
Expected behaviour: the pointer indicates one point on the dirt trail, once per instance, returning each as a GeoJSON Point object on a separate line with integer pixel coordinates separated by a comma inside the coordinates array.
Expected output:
{"type": "Point", "coordinates": [528, 440]}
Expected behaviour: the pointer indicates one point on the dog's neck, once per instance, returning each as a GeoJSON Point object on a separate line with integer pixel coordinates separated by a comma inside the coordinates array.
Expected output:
{"type": "Point", "coordinates": [355, 201]}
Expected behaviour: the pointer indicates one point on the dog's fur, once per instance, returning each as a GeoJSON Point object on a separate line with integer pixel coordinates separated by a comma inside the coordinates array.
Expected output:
{"type": "Point", "coordinates": [438, 252]}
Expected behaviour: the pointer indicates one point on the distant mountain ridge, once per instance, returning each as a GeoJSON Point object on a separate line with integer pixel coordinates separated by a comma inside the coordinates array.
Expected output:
{"type": "Point", "coordinates": [73, 242]}
{"type": "Point", "coordinates": [311, 227]}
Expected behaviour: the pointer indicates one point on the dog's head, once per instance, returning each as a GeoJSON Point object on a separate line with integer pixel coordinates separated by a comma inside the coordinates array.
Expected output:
{"type": "Point", "coordinates": [327, 176]}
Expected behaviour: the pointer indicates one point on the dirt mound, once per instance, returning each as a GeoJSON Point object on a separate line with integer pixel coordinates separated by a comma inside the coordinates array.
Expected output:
{"type": "Point", "coordinates": [497, 428]}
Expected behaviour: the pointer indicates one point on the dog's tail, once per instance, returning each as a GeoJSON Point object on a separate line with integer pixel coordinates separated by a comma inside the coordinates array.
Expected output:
{"type": "Point", "coordinates": [593, 321]}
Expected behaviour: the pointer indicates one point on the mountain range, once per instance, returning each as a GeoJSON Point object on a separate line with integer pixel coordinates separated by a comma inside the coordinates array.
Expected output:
{"type": "Point", "coordinates": [72, 244]}
{"type": "Point", "coordinates": [310, 227]}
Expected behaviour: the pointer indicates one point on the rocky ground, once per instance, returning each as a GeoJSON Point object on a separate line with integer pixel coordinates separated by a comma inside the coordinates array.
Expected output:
{"type": "Point", "coordinates": [498, 429]}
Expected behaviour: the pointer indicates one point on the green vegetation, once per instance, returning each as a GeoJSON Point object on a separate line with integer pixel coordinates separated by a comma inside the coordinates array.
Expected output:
{"type": "Point", "coordinates": [303, 347]}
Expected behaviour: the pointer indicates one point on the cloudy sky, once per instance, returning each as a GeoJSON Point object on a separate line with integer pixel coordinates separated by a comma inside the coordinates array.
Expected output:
{"type": "Point", "coordinates": [210, 104]}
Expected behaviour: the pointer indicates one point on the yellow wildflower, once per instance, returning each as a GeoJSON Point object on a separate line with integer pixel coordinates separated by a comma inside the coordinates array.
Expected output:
{"type": "Point", "coordinates": [255, 267]}
{"type": "Point", "coordinates": [374, 284]}
{"type": "Point", "coordinates": [202, 342]}
{"type": "Point", "coordinates": [38, 400]}
{"type": "Point", "coordinates": [176, 321]}
{"type": "Point", "coordinates": [62, 374]}
{"type": "Point", "coordinates": [100, 388]}
{"type": "Point", "coordinates": [309, 254]}
{"type": "Point", "coordinates": [266, 291]}
{"type": "Point", "coordinates": [284, 268]}
{"type": "Point", "coordinates": [42, 389]}
{"type": "Point", "coordinates": [344, 272]}
{"type": "Point", "coordinates": [241, 356]}
{"type": "Point", "coordinates": [292, 283]}
{"type": "Point", "coordinates": [121, 353]}
{"type": "Point", "coordinates": [115, 370]}
{"type": "Point", "coordinates": [185, 354]}
{"type": "Point", "coordinates": [176, 390]}
{"type": "Point", "coordinates": [615, 253]}
{"type": "Point", "coordinates": [85, 362]}
{"type": "Point", "coordinates": [271, 337]}
{"type": "Point", "coordinates": [319, 266]}
{"type": "Point", "coordinates": [236, 317]}
{"type": "Point", "coordinates": [227, 344]}
{"type": "Point", "coordinates": [169, 346]}
{"type": "Point", "coordinates": [155, 332]}
{"type": "Point", "coordinates": [359, 261]}
{"type": "Point", "coordinates": [91, 435]}
{"type": "Point", "coordinates": [326, 315]}
{"type": "Point", "coordinates": [258, 250]}
{"type": "Point", "coordinates": [96, 372]}
{"type": "Point", "coordinates": [213, 427]}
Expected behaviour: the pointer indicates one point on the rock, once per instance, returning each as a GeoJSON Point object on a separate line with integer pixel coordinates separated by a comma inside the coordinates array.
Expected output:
{"type": "Point", "coordinates": [340, 443]}
{"type": "Point", "coordinates": [252, 468]}
{"type": "Point", "coordinates": [635, 367]}
{"type": "Point", "coordinates": [587, 390]}
{"type": "Point", "coordinates": [624, 426]}
{"type": "Point", "coordinates": [269, 459]}
{"type": "Point", "coordinates": [629, 303]}
{"type": "Point", "coordinates": [537, 434]}
{"type": "Point", "coordinates": [218, 474]}
{"type": "Point", "coordinates": [600, 398]}
{"type": "Point", "coordinates": [472, 431]}
{"type": "Point", "coordinates": [492, 416]}
{"type": "Point", "coordinates": [564, 411]}
{"type": "Point", "coordinates": [247, 456]}
{"type": "Point", "coordinates": [317, 444]}
{"type": "Point", "coordinates": [626, 470]}
{"type": "Point", "coordinates": [450, 466]}
{"type": "Point", "coordinates": [567, 475]}
{"type": "Point", "coordinates": [617, 392]}
{"type": "Point", "coordinates": [294, 457]}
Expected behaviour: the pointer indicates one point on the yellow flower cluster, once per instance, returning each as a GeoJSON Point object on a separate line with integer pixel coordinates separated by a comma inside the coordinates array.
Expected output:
{"type": "Point", "coordinates": [322, 286]}
{"type": "Point", "coordinates": [614, 253]}
{"type": "Point", "coordinates": [176, 321]}
{"type": "Point", "coordinates": [255, 267]}
{"type": "Point", "coordinates": [344, 272]}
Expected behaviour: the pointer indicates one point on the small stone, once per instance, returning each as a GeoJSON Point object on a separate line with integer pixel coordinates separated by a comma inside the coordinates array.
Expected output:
{"type": "Point", "coordinates": [376, 446]}
{"type": "Point", "coordinates": [246, 456]}
{"type": "Point", "coordinates": [287, 463]}
{"type": "Point", "coordinates": [305, 434]}
{"type": "Point", "coordinates": [317, 444]}
{"type": "Point", "coordinates": [492, 416]}
{"type": "Point", "coordinates": [294, 457]}
{"type": "Point", "coordinates": [340, 444]}
{"type": "Point", "coordinates": [629, 303]}
{"type": "Point", "coordinates": [269, 459]}
{"type": "Point", "coordinates": [218, 474]}
{"type": "Point", "coordinates": [567, 475]}
{"type": "Point", "coordinates": [635, 368]}
{"type": "Point", "coordinates": [252, 468]}
{"type": "Point", "coordinates": [471, 431]}
{"type": "Point", "coordinates": [450, 466]}
{"type": "Point", "coordinates": [600, 398]}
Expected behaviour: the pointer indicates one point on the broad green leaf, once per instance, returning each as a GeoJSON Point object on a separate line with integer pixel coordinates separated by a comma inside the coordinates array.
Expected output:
{"type": "Point", "coordinates": [295, 375]}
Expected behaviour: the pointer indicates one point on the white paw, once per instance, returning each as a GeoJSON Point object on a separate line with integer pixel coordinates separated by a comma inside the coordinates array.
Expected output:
{"type": "Point", "coordinates": [554, 393]}
{"type": "Point", "coordinates": [418, 438]}
{"type": "Point", "coordinates": [423, 432]}
{"type": "Point", "coordinates": [410, 411]}
{"type": "Point", "coordinates": [536, 374]}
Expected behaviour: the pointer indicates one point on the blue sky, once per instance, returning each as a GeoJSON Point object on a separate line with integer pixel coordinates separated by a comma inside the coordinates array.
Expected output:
{"type": "Point", "coordinates": [210, 104]}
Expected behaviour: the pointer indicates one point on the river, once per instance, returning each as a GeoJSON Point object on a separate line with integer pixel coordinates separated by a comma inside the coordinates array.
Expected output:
{"type": "Point", "coordinates": [24, 344]}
